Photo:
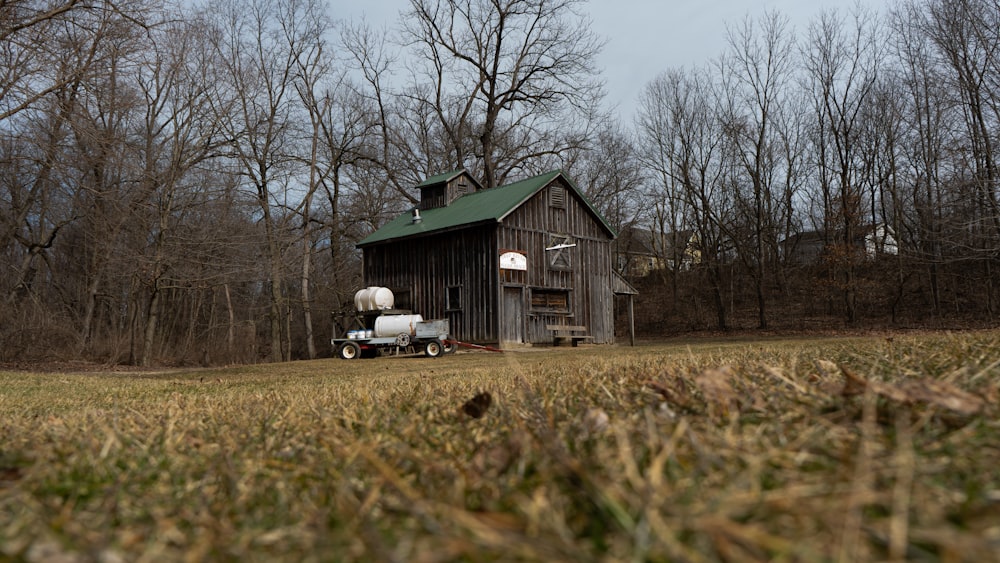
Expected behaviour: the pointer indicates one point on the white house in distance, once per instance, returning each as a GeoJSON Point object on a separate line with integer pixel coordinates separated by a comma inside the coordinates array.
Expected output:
{"type": "Point", "coordinates": [880, 240]}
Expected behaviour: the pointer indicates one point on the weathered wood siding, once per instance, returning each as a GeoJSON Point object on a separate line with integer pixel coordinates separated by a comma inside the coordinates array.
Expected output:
{"type": "Point", "coordinates": [420, 271]}
{"type": "Point", "coordinates": [530, 228]}
{"type": "Point", "coordinates": [440, 195]}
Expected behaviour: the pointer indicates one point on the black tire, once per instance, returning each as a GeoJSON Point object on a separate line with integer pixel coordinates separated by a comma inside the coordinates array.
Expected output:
{"type": "Point", "coordinates": [349, 351]}
{"type": "Point", "coordinates": [450, 347]}
{"type": "Point", "coordinates": [433, 348]}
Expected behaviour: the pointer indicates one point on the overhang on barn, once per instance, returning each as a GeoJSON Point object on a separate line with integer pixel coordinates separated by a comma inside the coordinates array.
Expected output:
{"type": "Point", "coordinates": [503, 265]}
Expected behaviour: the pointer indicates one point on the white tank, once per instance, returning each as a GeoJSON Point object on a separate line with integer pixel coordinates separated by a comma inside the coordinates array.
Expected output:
{"type": "Point", "coordinates": [391, 325]}
{"type": "Point", "coordinates": [374, 299]}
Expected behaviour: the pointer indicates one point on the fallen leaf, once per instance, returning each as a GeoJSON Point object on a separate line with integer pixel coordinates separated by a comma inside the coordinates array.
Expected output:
{"type": "Point", "coordinates": [477, 406]}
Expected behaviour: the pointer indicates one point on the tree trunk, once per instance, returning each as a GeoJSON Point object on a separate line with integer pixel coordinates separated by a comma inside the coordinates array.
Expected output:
{"type": "Point", "coordinates": [231, 329]}
{"type": "Point", "coordinates": [761, 304]}
{"type": "Point", "coordinates": [90, 308]}
{"type": "Point", "coordinates": [287, 354]}
{"type": "Point", "coordinates": [850, 295]}
{"type": "Point", "coordinates": [274, 263]}
{"type": "Point", "coordinates": [152, 318]}
{"type": "Point", "coordinates": [306, 297]}
{"type": "Point", "coordinates": [275, 353]}
{"type": "Point", "coordinates": [720, 302]}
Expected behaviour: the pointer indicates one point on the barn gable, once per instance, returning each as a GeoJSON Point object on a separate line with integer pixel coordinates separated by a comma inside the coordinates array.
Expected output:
{"type": "Point", "coordinates": [481, 206]}
{"type": "Point", "coordinates": [503, 265]}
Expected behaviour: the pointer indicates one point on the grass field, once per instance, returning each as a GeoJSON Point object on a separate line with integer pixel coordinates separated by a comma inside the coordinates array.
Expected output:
{"type": "Point", "coordinates": [847, 449]}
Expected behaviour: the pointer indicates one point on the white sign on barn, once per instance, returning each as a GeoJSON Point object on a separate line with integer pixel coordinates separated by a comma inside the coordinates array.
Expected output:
{"type": "Point", "coordinates": [514, 261]}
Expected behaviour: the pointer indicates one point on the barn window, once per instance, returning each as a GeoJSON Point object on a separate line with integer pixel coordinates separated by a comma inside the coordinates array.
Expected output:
{"type": "Point", "coordinates": [403, 299]}
{"type": "Point", "coordinates": [559, 252]}
{"type": "Point", "coordinates": [550, 300]}
{"type": "Point", "coordinates": [557, 197]}
{"type": "Point", "coordinates": [453, 298]}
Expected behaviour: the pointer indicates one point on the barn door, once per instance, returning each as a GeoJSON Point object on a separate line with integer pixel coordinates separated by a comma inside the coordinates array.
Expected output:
{"type": "Point", "coordinates": [512, 316]}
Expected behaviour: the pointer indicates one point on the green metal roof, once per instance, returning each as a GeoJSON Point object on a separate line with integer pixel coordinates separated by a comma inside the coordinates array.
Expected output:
{"type": "Point", "coordinates": [440, 178]}
{"type": "Point", "coordinates": [483, 206]}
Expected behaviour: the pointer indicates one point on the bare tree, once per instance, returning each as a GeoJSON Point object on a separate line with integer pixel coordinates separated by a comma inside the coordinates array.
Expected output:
{"type": "Point", "coordinates": [178, 133]}
{"type": "Point", "coordinates": [254, 108]}
{"type": "Point", "coordinates": [48, 50]}
{"type": "Point", "coordinates": [403, 150]}
{"type": "Point", "coordinates": [965, 33]}
{"type": "Point", "coordinates": [679, 118]}
{"type": "Point", "coordinates": [658, 138]}
{"type": "Point", "coordinates": [342, 133]}
{"type": "Point", "coordinates": [887, 147]}
{"type": "Point", "coordinates": [793, 144]}
{"type": "Point", "coordinates": [929, 112]}
{"type": "Point", "coordinates": [508, 73]}
{"type": "Point", "coordinates": [611, 175]}
{"type": "Point", "coordinates": [842, 67]}
{"type": "Point", "coordinates": [110, 191]}
{"type": "Point", "coordinates": [29, 49]}
{"type": "Point", "coordinates": [305, 24]}
{"type": "Point", "coordinates": [755, 74]}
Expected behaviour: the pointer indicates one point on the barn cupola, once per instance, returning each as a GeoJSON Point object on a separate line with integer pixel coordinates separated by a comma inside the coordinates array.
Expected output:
{"type": "Point", "coordinates": [441, 190]}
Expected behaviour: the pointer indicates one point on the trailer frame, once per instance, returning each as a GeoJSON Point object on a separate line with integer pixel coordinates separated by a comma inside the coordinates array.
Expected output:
{"type": "Point", "coordinates": [357, 340]}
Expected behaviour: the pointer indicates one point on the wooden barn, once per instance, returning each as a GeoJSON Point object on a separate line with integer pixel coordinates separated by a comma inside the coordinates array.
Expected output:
{"type": "Point", "coordinates": [514, 265]}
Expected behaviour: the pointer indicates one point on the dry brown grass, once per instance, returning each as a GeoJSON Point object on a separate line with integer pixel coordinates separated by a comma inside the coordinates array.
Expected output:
{"type": "Point", "coordinates": [795, 450]}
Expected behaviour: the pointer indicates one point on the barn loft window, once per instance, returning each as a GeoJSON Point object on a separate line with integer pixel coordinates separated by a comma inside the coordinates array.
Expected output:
{"type": "Point", "coordinates": [550, 300]}
{"type": "Point", "coordinates": [559, 252]}
{"type": "Point", "coordinates": [557, 197]}
{"type": "Point", "coordinates": [453, 298]}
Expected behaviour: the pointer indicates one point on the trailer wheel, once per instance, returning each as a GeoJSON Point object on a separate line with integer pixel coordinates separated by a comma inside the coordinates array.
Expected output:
{"type": "Point", "coordinates": [433, 348]}
{"type": "Point", "coordinates": [450, 347]}
{"type": "Point", "coordinates": [349, 351]}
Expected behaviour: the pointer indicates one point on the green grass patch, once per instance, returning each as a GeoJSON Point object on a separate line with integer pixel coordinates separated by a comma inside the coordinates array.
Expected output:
{"type": "Point", "coordinates": [847, 449]}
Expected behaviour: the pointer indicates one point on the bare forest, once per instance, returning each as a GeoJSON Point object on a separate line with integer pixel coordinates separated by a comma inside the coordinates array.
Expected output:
{"type": "Point", "coordinates": [185, 184]}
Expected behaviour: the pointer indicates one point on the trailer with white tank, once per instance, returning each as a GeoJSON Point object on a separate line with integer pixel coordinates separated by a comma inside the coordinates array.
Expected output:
{"type": "Point", "coordinates": [376, 326]}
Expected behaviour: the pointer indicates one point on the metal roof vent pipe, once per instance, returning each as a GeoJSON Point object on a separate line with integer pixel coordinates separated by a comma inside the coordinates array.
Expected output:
{"type": "Point", "coordinates": [416, 216]}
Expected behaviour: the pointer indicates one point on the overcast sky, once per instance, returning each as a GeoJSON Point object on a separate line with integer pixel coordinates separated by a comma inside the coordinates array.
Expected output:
{"type": "Point", "coordinates": [647, 37]}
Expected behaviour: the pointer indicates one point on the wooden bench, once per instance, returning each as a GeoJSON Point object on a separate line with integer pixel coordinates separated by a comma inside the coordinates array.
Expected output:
{"type": "Point", "coordinates": [572, 333]}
